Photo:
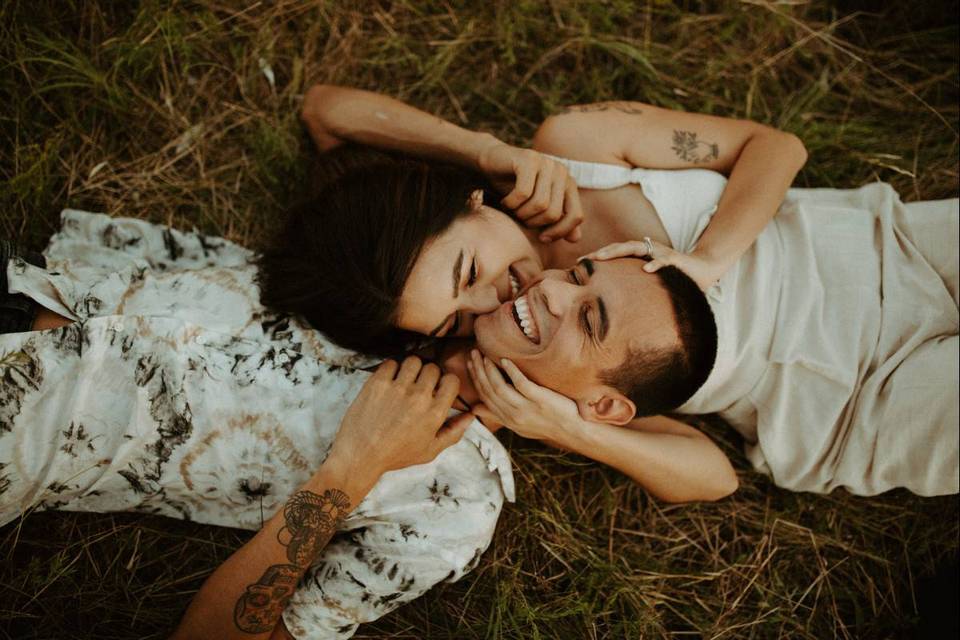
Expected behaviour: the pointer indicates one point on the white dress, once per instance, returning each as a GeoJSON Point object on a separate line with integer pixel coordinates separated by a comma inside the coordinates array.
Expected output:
{"type": "Point", "coordinates": [838, 331]}
{"type": "Point", "coordinates": [176, 393]}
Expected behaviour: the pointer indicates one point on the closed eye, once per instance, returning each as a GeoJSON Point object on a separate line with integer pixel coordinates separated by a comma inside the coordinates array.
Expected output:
{"type": "Point", "coordinates": [585, 320]}
{"type": "Point", "coordinates": [574, 277]}
{"type": "Point", "coordinates": [474, 271]}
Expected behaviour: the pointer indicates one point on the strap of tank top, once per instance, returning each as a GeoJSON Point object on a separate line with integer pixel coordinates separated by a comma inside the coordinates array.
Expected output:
{"type": "Point", "coordinates": [600, 175]}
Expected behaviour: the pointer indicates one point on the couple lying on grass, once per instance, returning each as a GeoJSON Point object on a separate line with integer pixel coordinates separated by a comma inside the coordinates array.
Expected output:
{"type": "Point", "coordinates": [822, 324]}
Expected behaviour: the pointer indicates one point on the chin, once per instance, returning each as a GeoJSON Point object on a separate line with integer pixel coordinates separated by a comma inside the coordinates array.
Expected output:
{"type": "Point", "coordinates": [484, 335]}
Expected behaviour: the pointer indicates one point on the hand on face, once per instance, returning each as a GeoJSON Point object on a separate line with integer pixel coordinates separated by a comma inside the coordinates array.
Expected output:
{"type": "Point", "coordinates": [399, 419]}
{"type": "Point", "coordinates": [525, 407]}
{"type": "Point", "coordinates": [701, 270]}
{"type": "Point", "coordinates": [541, 191]}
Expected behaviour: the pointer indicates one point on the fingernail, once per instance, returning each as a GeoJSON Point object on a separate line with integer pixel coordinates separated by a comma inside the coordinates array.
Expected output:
{"type": "Point", "coordinates": [648, 267]}
{"type": "Point", "coordinates": [503, 362]}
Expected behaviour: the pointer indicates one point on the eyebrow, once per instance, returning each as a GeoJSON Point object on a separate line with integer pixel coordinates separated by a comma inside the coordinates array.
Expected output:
{"type": "Point", "coordinates": [588, 265]}
{"type": "Point", "coordinates": [457, 271]}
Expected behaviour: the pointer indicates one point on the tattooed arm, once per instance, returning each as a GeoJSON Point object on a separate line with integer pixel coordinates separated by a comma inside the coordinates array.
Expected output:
{"type": "Point", "coordinates": [246, 595]}
{"type": "Point", "coordinates": [537, 188]}
{"type": "Point", "coordinates": [761, 163]}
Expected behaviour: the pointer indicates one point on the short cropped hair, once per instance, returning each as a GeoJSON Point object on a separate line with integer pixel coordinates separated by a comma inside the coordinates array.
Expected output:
{"type": "Point", "coordinates": [660, 379]}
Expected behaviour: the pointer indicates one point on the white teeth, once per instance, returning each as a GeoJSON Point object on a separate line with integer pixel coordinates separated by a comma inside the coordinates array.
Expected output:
{"type": "Point", "coordinates": [514, 286]}
{"type": "Point", "coordinates": [526, 321]}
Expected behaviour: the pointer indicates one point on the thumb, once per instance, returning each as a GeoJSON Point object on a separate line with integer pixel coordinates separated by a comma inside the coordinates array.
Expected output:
{"type": "Point", "coordinates": [653, 265]}
{"type": "Point", "coordinates": [489, 419]}
{"type": "Point", "coordinates": [453, 430]}
{"type": "Point", "coordinates": [575, 235]}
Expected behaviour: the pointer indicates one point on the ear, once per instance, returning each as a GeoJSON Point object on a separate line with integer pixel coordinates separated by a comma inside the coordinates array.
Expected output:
{"type": "Point", "coordinates": [609, 407]}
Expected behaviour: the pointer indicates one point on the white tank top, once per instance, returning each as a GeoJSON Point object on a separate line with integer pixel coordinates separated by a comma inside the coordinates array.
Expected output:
{"type": "Point", "coordinates": [685, 200]}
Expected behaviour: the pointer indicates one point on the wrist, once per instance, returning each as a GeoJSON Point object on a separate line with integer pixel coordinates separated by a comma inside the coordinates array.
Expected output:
{"type": "Point", "coordinates": [573, 434]}
{"type": "Point", "coordinates": [348, 473]}
{"type": "Point", "coordinates": [479, 145]}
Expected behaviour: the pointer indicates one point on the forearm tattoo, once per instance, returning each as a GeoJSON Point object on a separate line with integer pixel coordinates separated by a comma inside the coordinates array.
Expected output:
{"type": "Point", "coordinates": [623, 107]}
{"type": "Point", "coordinates": [310, 520]}
{"type": "Point", "coordinates": [690, 149]}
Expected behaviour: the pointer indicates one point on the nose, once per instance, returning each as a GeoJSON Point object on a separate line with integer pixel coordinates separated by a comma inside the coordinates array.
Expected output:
{"type": "Point", "coordinates": [558, 294]}
{"type": "Point", "coordinates": [483, 299]}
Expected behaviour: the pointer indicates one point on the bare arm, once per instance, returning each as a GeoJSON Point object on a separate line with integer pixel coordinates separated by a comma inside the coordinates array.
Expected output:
{"type": "Point", "coordinates": [671, 460]}
{"type": "Point", "coordinates": [761, 163]}
{"type": "Point", "coordinates": [334, 114]}
{"type": "Point", "coordinates": [246, 595]}
{"type": "Point", "coordinates": [537, 188]}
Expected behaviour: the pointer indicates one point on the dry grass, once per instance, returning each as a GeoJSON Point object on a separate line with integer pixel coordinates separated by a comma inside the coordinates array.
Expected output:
{"type": "Point", "coordinates": [162, 110]}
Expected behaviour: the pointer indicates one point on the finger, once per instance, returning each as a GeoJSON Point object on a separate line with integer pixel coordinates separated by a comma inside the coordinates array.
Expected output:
{"type": "Point", "coordinates": [483, 412]}
{"type": "Point", "coordinates": [447, 390]}
{"type": "Point", "coordinates": [538, 202]}
{"type": "Point", "coordinates": [555, 209]}
{"type": "Point", "coordinates": [522, 383]}
{"type": "Point", "coordinates": [453, 430]}
{"type": "Point", "coordinates": [522, 188]}
{"type": "Point", "coordinates": [561, 229]}
{"type": "Point", "coordinates": [654, 265]}
{"type": "Point", "coordinates": [501, 387]}
{"type": "Point", "coordinates": [484, 388]}
{"type": "Point", "coordinates": [575, 235]}
{"type": "Point", "coordinates": [618, 250]}
{"type": "Point", "coordinates": [428, 376]}
{"type": "Point", "coordinates": [409, 370]}
{"type": "Point", "coordinates": [572, 216]}
{"type": "Point", "coordinates": [387, 370]}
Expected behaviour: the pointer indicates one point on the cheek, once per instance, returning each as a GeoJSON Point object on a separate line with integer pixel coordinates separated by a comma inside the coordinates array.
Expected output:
{"type": "Point", "coordinates": [419, 308]}
{"type": "Point", "coordinates": [555, 370]}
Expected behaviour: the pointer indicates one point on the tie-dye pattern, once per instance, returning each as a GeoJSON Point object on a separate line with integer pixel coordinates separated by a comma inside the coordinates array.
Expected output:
{"type": "Point", "coordinates": [175, 393]}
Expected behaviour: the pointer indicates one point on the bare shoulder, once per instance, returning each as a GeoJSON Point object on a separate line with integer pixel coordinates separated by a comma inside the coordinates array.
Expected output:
{"type": "Point", "coordinates": [589, 132]}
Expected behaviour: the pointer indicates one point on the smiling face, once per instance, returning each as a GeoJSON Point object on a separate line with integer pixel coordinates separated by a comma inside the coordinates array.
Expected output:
{"type": "Point", "coordinates": [569, 326]}
{"type": "Point", "coordinates": [482, 260]}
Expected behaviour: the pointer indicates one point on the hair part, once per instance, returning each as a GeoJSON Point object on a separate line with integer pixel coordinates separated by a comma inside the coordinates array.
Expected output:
{"type": "Point", "coordinates": [660, 379]}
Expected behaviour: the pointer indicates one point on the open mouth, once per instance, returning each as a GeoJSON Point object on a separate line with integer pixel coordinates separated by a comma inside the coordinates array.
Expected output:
{"type": "Point", "coordinates": [524, 319]}
{"type": "Point", "coordinates": [514, 283]}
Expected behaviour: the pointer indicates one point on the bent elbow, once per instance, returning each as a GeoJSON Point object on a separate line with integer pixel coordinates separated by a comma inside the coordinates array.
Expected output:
{"type": "Point", "coordinates": [798, 150]}
{"type": "Point", "coordinates": [316, 101]}
{"type": "Point", "coordinates": [708, 493]}
{"type": "Point", "coordinates": [727, 487]}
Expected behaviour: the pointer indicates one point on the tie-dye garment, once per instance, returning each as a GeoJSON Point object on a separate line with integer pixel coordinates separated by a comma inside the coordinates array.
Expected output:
{"type": "Point", "coordinates": [176, 393]}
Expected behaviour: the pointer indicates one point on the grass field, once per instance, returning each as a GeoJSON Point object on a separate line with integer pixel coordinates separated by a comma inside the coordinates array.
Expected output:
{"type": "Point", "coordinates": [186, 113]}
